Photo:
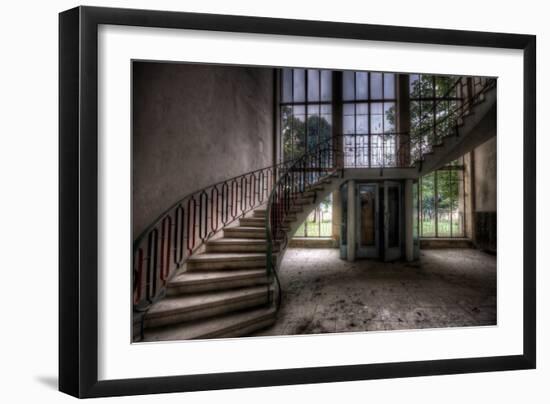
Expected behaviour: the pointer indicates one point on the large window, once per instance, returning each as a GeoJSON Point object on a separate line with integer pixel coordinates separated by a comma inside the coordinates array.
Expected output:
{"type": "Point", "coordinates": [369, 119]}
{"type": "Point", "coordinates": [441, 201]}
{"type": "Point", "coordinates": [432, 98]}
{"type": "Point", "coordinates": [306, 110]}
{"type": "Point", "coordinates": [319, 222]}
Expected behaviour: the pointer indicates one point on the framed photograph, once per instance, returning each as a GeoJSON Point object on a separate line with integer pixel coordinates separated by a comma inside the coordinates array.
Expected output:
{"type": "Point", "coordinates": [251, 201]}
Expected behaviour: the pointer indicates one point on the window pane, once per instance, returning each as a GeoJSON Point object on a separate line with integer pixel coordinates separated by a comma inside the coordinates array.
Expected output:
{"type": "Point", "coordinates": [361, 86]}
{"type": "Point", "coordinates": [376, 86]}
{"type": "Point", "coordinates": [426, 86]}
{"type": "Point", "coordinates": [362, 108]}
{"type": "Point", "coordinates": [376, 151]}
{"type": "Point", "coordinates": [349, 151]}
{"type": "Point", "coordinates": [390, 149]}
{"type": "Point", "coordinates": [299, 110]}
{"type": "Point", "coordinates": [313, 85]}
{"type": "Point", "coordinates": [286, 89]}
{"type": "Point", "coordinates": [286, 129]}
{"type": "Point", "coordinates": [414, 85]}
{"type": "Point", "coordinates": [299, 85]}
{"type": "Point", "coordinates": [362, 150]}
{"type": "Point", "coordinates": [362, 118]}
{"type": "Point", "coordinates": [349, 124]}
{"type": "Point", "coordinates": [427, 206]}
{"type": "Point", "coordinates": [444, 191]}
{"type": "Point", "coordinates": [326, 85]}
{"type": "Point", "coordinates": [349, 86]}
{"type": "Point", "coordinates": [443, 85]}
{"type": "Point", "coordinates": [362, 124]}
{"type": "Point", "coordinates": [389, 86]}
{"type": "Point", "coordinates": [376, 124]}
{"type": "Point", "coordinates": [376, 108]}
{"type": "Point", "coordinates": [313, 109]}
{"type": "Point", "coordinates": [299, 133]}
{"type": "Point", "coordinates": [389, 117]}
{"type": "Point", "coordinates": [326, 119]}
{"type": "Point", "coordinates": [349, 109]}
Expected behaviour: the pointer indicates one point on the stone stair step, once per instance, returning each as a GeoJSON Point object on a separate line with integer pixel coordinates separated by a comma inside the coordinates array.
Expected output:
{"type": "Point", "coordinates": [309, 194]}
{"type": "Point", "coordinates": [228, 326]}
{"type": "Point", "coordinates": [216, 261]}
{"type": "Point", "coordinates": [196, 282]}
{"type": "Point", "coordinates": [236, 245]}
{"type": "Point", "coordinates": [252, 222]}
{"type": "Point", "coordinates": [256, 221]}
{"type": "Point", "coordinates": [262, 212]}
{"type": "Point", "coordinates": [178, 309]}
{"type": "Point", "coordinates": [244, 232]}
{"type": "Point", "coordinates": [304, 201]}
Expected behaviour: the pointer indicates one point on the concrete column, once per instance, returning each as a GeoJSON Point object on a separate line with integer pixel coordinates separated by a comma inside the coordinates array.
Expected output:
{"type": "Point", "coordinates": [403, 124]}
{"type": "Point", "coordinates": [472, 188]}
{"type": "Point", "coordinates": [352, 219]}
{"type": "Point", "coordinates": [336, 216]}
{"type": "Point", "coordinates": [337, 121]}
{"type": "Point", "coordinates": [409, 206]}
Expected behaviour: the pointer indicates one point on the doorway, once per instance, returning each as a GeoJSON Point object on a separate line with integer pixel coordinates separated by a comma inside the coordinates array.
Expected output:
{"type": "Point", "coordinates": [379, 220]}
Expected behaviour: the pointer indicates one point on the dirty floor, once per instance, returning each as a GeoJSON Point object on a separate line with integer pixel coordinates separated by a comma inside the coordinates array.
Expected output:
{"type": "Point", "coordinates": [445, 288]}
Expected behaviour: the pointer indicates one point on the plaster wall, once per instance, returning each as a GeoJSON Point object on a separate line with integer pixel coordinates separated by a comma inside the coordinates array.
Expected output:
{"type": "Point", "coordinates": [486, 176]}
{"type": "Point", "coordinates": [485, 160]}
{"type": "Point", "coordinates": [195, 125]}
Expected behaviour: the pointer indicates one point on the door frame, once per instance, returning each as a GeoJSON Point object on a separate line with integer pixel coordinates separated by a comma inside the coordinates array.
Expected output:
{"type": "Point", "coordinates": [393, 253]}
{"type": "Point", "coordinates": [370, 251]}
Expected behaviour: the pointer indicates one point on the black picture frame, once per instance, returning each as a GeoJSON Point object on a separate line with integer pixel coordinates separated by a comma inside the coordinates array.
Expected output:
{"type": "Point", "coordinates": [78, 201]}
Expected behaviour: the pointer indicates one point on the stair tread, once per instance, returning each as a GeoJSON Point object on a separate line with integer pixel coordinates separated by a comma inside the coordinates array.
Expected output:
{"type": "Point", "coordinates": [230, 240]}
{"type": "Point", "coordinates": [245, 228]}
{"type": "Point", "coordinates": [208, 327]}
{"type": "Point", "coordinates": [213, 276]}
{"type": "Point", "coordinates": [222, 256]}
{"type": "Point", "coordinates": [183, 303]}
{"type": "Point", "coordinates": [265, 210]}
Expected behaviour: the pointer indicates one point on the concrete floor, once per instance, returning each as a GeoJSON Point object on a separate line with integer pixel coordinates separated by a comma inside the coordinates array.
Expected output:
{"type": "Point", "coordinates": [445, 288]}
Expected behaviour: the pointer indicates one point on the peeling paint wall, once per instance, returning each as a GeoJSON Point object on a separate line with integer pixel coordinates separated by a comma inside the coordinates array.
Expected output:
{"type": "Point", "coordinates": [195, 125]}
{"type": "Point", "coordinates": [486, 176]}
{"type": "Point", "coordinates": [486, 195]}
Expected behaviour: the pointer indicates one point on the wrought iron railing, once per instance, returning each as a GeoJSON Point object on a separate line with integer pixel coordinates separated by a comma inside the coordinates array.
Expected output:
{"type": "Point", "coordinates": [378, 150]}
{"type": "Point", "coordinates": [303, 174]}
{"type": "Point", "coordinates": [465, 92]}
{"type": "Point", "coordinates": [164, 246]}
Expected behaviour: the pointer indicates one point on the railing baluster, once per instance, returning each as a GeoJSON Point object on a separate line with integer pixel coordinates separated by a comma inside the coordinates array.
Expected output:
{"type": "Point", "coordinates": [191, 224]}
{"type": "Point", "coordinates": [138, 275]}
{"type": "Point", "coordinates": [225, 203]}
{"type": "Point", "coordinates": [165, 242]}
{"type": "Point", "coordinates": [179, 236]}
{"type": "Point", "coordinates": [152, 268]}
{"type": "Point", "coordinates": [214, 209]}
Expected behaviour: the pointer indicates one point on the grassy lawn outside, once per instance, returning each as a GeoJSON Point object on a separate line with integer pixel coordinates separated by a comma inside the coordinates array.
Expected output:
{"type": "Point", "coordinates": [444, 228]}
{"type": "Point", "coordinates": [315, 229]}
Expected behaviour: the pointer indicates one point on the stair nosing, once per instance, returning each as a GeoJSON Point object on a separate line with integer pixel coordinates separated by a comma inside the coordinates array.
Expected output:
{"type": "Point", "coordinates": [263, 314]}
{"type": "Point", "coordinates": [229, 276]}
{"type": "Point", "coordinates": [252, 294]}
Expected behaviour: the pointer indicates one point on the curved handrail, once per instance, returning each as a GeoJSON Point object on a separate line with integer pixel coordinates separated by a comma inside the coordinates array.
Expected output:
{"type": "Point", "coordinates": [449, 121]}
{"type": "Point", "coordinates": [187, 224]}
{"type": "Point", "coordinates": [307, 170]}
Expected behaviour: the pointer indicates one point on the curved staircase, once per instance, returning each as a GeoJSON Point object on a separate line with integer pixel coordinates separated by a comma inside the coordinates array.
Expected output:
{"type": "Point", "coordinates": [207, 267]}
{"type": "Point", "coordinates": [225, 291]}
